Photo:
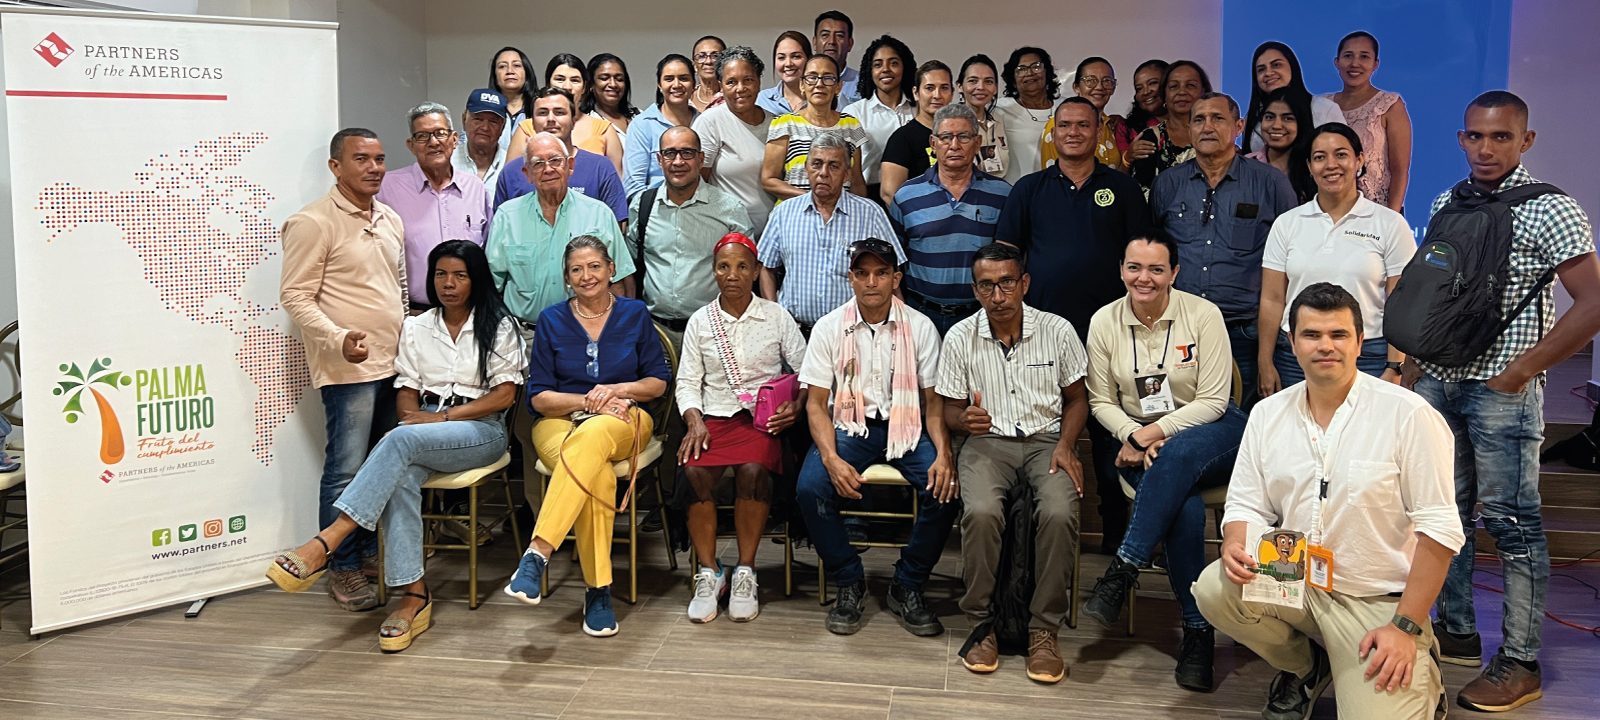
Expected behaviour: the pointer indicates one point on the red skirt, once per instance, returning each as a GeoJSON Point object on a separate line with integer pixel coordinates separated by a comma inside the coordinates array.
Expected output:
{"type": "Point", "coordinates": [736, 441]}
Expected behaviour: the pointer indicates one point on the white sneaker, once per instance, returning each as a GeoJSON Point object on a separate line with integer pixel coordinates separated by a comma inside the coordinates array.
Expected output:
{"type": "Point", "coordinates": [742, 604]}
{"type": "Point", "coordinates": [709, 587]}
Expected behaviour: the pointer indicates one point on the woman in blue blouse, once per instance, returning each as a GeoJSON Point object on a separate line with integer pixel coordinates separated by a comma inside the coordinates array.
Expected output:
{"type": "Point", "coordinates": [595, 357]}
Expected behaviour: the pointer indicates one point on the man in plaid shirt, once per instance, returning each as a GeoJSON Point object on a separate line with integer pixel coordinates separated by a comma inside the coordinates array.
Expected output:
{"type": "Point", "coordinates": [1495, 407]}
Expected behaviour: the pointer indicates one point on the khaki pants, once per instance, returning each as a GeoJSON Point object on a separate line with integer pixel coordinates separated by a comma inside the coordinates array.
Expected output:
{"type": "Point", "coordinates": [988, 466]}
{"type": "Point", "coordinates": [1281, 636]}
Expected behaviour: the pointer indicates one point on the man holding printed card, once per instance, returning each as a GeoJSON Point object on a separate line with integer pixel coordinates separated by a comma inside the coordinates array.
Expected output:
{"type": "Point", "coordinates": [1364, 469]}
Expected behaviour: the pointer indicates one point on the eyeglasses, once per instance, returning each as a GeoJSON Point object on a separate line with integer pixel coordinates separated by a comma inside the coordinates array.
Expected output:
{"type": "Point", "coordinates": [823, 80]}
{"type": "Point", "coordinates": [422, 136]}
{"type": "Point", "coordinates": [960, 137]}
{"type": "Point", "coordinates": [1208, 207]}
{"type": "Point", "coordinates": [593, 351]}
{"type": "Point", "coordinates": [1093, 82]}
{"type": "Point", "coordinates": [874, 245]}
{"type": "Point", "coordinates": [1031, 68]}
{"type": "Point", "coordinates": [670, 154]}
{"type": "Point", "coordinates": [537, 164]}
{"type": "Point", "coordinates": [703, 56]}
{"type": "Point", "coordinates": [987, 287]}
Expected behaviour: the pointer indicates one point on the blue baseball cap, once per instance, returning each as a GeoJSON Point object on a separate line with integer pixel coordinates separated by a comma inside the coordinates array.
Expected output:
{"type": "Point", "coordinates": [486, 100]}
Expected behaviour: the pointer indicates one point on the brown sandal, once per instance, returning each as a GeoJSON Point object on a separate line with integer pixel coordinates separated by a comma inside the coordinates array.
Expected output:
{"type": "Point", "coordinates": [292, 573]}
{"type": "Point", "coordinates": [408, 629]}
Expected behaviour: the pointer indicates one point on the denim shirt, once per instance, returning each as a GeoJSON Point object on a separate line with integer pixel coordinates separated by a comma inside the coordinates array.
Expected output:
{"type": "Point", "coordinates": [1222, 231]}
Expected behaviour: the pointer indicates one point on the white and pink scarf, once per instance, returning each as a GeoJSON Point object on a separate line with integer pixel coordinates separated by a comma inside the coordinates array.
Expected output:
{"type": "Point", "coordinates": [905, 399]}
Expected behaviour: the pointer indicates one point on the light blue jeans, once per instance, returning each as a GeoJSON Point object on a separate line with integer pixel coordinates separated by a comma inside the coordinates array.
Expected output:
{"type": "Point", "coordinates": [1497, 463]}
{"type": "Point", "coordinates": [389, 484]}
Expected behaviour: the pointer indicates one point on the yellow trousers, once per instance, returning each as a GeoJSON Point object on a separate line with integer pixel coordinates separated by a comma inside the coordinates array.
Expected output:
{"type": "Point", "coordinates": [589, 452]}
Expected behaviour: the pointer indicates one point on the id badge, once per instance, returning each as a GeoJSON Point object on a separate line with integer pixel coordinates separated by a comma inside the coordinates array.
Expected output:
{"type": "Point", "coordinates": [1319, 568]}
{"type": "Point", "coordinates": [1155, 394]}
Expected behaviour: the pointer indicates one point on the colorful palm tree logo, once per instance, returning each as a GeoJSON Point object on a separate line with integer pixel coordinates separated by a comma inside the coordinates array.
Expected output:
{"type": "Point", "coordinates": [72, 385]}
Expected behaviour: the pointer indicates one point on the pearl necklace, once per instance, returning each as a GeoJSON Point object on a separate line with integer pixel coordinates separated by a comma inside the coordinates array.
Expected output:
{"type": "Point", "coordinates": [578, 309]}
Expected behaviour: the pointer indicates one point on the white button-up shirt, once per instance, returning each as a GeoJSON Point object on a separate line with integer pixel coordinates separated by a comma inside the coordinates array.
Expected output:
{"type": "Point", "coordinates": [763, 340]}
{"type": "Point", "coordinates": [1021, 388]}
{"type": "Point", "coordinates": [880, 121]}
{"type": "Point", "coordinates": [1391, 475]}
{"type": "Point", "coordinates": [431, 361]}
{"type": "Point", "coordinates": [874, 355]}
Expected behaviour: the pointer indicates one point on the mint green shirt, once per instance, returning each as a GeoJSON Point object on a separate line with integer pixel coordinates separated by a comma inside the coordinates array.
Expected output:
{"type": "Point", "coordinates": [525, 251]}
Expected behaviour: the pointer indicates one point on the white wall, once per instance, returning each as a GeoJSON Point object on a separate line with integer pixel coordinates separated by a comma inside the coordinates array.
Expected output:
{"type": "Point", "coordinates": [383, 68]}
{"type": "Point", "coordinates": [1550, 47]}
{"type": "Point", "coordinates": [463, 34]}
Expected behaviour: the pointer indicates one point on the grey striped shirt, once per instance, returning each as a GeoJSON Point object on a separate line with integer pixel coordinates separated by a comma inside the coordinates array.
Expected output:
{"type": "Point", "coordinates": [1021, 388]}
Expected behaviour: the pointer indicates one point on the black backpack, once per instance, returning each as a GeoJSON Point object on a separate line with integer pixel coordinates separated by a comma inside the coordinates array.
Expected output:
{"type": "Point", "coordinates": [1446, 308]}
{"type": "Point", "coordinates": [1009, 615]}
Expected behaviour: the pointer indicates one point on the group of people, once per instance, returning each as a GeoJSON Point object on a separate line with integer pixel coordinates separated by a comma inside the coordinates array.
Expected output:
{"type": "Point", "coordinates": [962, 284]}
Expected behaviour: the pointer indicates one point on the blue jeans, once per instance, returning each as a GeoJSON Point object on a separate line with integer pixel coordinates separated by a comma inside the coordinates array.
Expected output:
{"type": "Point", "coordinates": [1167, 507]}
{"type": "Point", "coordinates": [1374, 353]}
{"type": "Point", "coordinates": [819, 505]}
{"type": "Point", "coordinates": [1497, 463]}
{"type": "Point", "coordinates": [1242, 340]}
{"type": "Point", "coordinates": [389, 484]}
{"type": "Point", "coordinates": [358, 414]}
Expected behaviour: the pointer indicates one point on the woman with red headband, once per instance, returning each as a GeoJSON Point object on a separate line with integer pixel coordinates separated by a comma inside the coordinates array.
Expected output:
{"type": "Point", "coordinates": [732, 370]}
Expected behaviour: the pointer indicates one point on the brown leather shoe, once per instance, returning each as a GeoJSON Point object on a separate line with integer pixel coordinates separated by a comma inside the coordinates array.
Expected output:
{"type": "Point", "coordinates": [984, 657]}
{"type": "Point", "coordinates": [1044, 659]}
{"type": "Point", "coordinates": [1504, 685]}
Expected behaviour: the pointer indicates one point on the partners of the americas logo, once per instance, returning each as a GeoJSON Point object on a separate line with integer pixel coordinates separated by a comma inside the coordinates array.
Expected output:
{"type": "Point", "coordinates": [53, 49]}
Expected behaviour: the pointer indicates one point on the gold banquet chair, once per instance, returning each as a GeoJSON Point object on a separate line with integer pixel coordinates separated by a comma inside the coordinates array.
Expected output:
{"type": "Point", "coordinates": [433, 494]}
{"type": "Point", "coordinates": [13, 484]}
{"type": "Point", "coordinates": [882, 475]}
{"type": "Point", "coordinates": [1213, 498]}
{"type": "Point", "coordinates": [660, 411]}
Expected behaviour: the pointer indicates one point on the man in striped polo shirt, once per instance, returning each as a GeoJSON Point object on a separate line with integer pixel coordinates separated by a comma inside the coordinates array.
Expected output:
{"type": "Point", "coordinates": [1012, 380]}
{"type": "Point", "coordinates": [943, 216]}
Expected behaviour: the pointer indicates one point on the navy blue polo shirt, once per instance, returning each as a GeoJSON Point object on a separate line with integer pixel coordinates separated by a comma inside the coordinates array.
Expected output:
{"type": "Point", "coordinates": [1073, 237]}
{"type": "Point", "coordinates": [1221, 233]}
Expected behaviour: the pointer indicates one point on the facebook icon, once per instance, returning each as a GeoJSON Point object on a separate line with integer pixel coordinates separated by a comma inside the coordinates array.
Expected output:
{"type": "Point", "coordinates": [161, 537]}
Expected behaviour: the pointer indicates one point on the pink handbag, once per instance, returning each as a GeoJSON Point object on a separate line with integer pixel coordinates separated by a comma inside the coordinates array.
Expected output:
{"type": "Point", "coordinates": [773, 394]}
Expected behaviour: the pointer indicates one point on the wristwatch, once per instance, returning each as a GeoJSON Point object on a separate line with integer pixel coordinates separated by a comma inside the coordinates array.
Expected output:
{"type": "Point", "coordinates": [1391, 365]}
{"type": "Point", "coordinates": [1405, 623]}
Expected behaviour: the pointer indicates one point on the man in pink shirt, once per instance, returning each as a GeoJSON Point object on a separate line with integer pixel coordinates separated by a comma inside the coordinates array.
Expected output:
{"type": "Point", "coordinates": [344, 285]}
{"type": "Point", "coordinates": [434, 202]}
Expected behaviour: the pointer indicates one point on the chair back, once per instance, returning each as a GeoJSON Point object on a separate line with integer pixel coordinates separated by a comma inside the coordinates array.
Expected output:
{"type": "Point", "coordinates": [8, 406]}
{"type": "Point", "coordinates": [661, 408]}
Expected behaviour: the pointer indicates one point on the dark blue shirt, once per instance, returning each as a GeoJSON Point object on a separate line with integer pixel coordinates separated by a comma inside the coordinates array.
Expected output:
{"type": "Point", "coordinates": [1221, 232]}
{"type": "Point", "coordinates": [592, 175]}
{"type": "Point", "coordinates": [1073, 237]}
{"type": "Point", "coordinates": [629, 349]}
{"type": "Point", "coordinates": [940, 233]}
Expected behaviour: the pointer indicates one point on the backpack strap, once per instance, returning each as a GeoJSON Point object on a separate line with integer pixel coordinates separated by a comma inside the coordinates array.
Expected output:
{"type": "Point", "coordinates": [1514, 197]}
{"type": "Point", "coordinates": [647, 202]}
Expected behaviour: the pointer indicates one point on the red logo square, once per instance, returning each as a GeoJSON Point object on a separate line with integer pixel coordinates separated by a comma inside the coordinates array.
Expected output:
{"type": "Point", "coordinates": [53, 49]}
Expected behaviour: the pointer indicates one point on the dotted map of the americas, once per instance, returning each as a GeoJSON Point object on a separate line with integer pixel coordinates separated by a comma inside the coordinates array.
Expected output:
{"type": "Point", "coordinates": [197, 267]}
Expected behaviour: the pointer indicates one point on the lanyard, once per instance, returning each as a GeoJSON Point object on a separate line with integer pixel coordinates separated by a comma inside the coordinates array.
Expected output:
{"type": "Point", "coordinates": [1322, 448]}
{"type": "Point", "coordinates": [1167, 345]}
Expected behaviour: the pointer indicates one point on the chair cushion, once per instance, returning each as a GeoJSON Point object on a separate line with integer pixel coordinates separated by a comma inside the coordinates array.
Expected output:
{"type": "Point", "coordinates": [12, 479]}
{"type": "Point", "coordinates": [1211, 497]}
{"type": "Point", "coordinates": [650, 454]}
{"type": "Point", "coordinates": [883, 475]}
{"type": "Point", "coordinates": [466, 478]}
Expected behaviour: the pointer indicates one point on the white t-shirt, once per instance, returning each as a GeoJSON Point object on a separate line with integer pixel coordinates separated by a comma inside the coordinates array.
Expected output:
{"type": "Point", "coordinates": [734, 152]}
{"type": "Point", "coordinates": [1024, 127]}
{"type": "Point", "coordinates": [1367, 247]}
{"type": "Point", "coordinates": [875, 353]}
{"type": "Point", "coordinates": [880, 121]}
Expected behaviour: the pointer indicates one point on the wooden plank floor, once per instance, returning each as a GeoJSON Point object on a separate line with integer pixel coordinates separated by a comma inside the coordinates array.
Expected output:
{"type": "Point", "coordinates": [266, 654]}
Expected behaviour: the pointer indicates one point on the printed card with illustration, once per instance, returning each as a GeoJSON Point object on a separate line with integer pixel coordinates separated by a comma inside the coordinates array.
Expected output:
{"type": "Point", "coordinates": [1280, 557]}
